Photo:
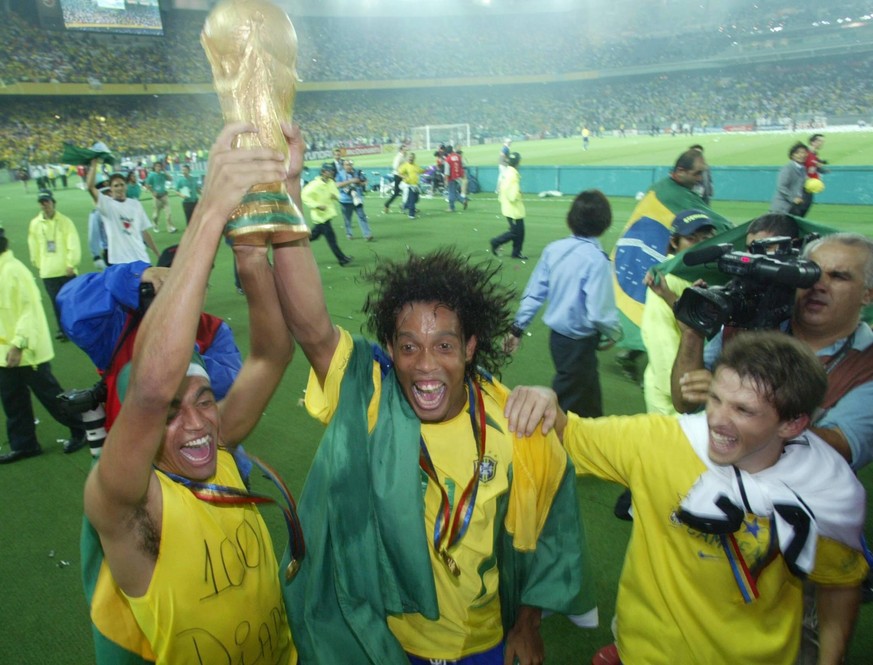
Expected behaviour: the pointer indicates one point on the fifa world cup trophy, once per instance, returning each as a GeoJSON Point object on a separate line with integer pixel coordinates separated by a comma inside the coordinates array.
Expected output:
{"type": "Point", "coordinates": [252, 47]}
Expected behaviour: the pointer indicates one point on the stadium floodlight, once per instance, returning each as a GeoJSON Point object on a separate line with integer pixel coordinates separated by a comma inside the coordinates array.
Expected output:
{"type": "Point", "coordinates": [427, 137]}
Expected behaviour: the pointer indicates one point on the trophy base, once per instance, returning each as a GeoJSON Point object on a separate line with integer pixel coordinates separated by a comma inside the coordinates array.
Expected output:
{"type": "Point", "coordinates": [265, 218]}
{"type": "Point", "coordinates": [261, 235]}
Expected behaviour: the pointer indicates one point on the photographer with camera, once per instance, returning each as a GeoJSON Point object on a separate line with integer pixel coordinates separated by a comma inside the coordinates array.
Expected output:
{"type": "Point", "coordinates": [25, 352]}
{"type": "Point", "coordinates": [826, 315]}
{"type": "Point", "coordinates": [101, 313]}
{"type": "Point", "coordinates": [351, 184]}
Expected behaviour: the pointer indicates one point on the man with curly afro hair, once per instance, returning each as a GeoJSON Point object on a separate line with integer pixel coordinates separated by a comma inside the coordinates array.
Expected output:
{"type": "Point", "coordinates": [432, 531]}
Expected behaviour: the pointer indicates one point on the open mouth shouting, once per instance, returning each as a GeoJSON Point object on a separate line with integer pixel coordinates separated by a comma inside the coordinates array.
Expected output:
{"type": "Point", "coordinates": [199, 451]}
{"type": "Point", "coordinates": [428, 395]}
{"type": "Point", "coordinates": [721, 444]}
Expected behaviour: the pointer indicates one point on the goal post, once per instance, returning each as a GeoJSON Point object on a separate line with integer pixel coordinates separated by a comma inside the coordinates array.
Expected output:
{"type": "Point", "coordinates": [428, 137]}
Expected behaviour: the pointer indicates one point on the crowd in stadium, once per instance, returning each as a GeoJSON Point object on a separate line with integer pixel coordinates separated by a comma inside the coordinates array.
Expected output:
{"type": "Point", "coordinates": [368, 48]}
{"type": "Point", "coordinates": [36, 130]}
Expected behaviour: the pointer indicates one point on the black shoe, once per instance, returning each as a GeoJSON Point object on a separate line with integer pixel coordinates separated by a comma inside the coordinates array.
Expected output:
{"type": "Point", "coordinates": [18, 455]}
{"type": "Point", "coordinates": [60, 336]}
{"type": "Point", "coordinates": [72, 445]}
{"type": "Point", "coordinates": [346, 260]}
{"type": "Point", "coordinates": [466, 203]}
{"type": "Point", "coordinates": [521, 257]}
{"type": "Point", "coordinates": [494, 247]}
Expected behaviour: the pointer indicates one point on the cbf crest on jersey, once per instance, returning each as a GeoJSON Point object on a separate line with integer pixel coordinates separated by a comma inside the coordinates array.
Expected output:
{"type": "Point", "coordinates": [487, 469]}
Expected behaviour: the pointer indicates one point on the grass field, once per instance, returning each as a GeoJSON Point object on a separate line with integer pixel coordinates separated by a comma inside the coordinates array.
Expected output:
{"type": "Point", "coordinates": [43, 613]}
{"type": "Point", "coordinates": [770, 149]}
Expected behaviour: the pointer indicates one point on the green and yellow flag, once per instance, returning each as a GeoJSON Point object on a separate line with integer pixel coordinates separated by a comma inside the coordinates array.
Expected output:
{"type": "Point", "coordinates": [643, 244]}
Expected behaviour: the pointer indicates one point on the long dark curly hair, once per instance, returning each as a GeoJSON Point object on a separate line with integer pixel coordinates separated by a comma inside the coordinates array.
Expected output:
{"type": "Point", "coordinates": [473, 291]}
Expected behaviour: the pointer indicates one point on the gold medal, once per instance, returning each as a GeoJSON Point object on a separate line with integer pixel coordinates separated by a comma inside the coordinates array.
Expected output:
{"type": "Point", "coordinates": [291, 570]}
{"type": "Point", "coordinates": [451, 564]}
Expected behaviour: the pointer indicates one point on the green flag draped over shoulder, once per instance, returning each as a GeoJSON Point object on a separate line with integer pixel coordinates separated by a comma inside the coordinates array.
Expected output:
{"type": "Point", "coordinates": [643, 244]}
{"type": "Point", "coordinates": [366, 550]}
{"type": "Point", "coordinates": [367, 556]}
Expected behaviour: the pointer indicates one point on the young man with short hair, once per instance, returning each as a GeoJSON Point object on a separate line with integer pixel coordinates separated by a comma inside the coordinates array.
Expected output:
{"type": "Point", "coordinates": [125, 222]}
{"type": "Point", "coordinates": [733, 508]}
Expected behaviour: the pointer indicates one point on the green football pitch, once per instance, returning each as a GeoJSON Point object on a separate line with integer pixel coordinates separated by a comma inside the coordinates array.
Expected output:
{"type": "Point", "coordinates": [845, 149]}
{"type": "Point", "coordinates": [43, 612]}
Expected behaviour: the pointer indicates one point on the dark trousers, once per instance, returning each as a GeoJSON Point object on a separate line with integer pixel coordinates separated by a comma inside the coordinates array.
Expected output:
{"type": "Point", "coordinates": [16, 383]}
{"type": "Point", "coordinates": [454, 188]}
{"type": "Point", "coordinates": [803, 208]}
{"type": "Point", "coordinates": [515, 234]}
{"type": "Point", "coordinates": [326, 230]}
{"type": "Point", "coordinates": [188, 208]}
{"type": "Point", "coordinates": [53, 286]}
{"type": "Point", "coordinates": [576, 382]}
{"type": "Point", "coordinates": [411, 201]}
{"type": "Point", "coordinates": [397, 181]}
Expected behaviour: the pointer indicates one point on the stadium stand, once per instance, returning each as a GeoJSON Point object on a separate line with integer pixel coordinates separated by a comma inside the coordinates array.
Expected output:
{"type": "Point", "coordinates": [803, 61]}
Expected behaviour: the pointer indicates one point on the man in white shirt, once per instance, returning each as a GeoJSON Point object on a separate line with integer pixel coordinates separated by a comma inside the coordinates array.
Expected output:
{"type": "Point", "coordinates": [124, 220]}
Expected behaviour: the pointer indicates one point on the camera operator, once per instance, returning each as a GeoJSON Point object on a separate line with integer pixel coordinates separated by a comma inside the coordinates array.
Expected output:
{"type": "Point", "coordinates": [827, 317]}
{"type": "Point", "coordinates": [101, 313]}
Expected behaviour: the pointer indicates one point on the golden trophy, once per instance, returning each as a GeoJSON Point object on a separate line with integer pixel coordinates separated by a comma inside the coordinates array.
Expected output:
{"type": "Point", "coordinates": [252, 47]}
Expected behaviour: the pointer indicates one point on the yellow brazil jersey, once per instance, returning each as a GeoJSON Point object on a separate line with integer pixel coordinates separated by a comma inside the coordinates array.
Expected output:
{"type": "Point", "coordinates": [214, 595]}
{"type": "Point", "coordinates": [470, 619]}
{"type": "Point", "coordinates": [679, 601]}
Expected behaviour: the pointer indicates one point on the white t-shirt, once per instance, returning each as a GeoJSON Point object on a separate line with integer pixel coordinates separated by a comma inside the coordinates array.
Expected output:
{"type": "Point", "coordinates": [399, 158]}
{"type": "Point", "coordinates": [124, 222]}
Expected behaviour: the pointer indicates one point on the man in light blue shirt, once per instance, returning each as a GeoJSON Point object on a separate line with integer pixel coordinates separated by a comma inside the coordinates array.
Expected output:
{"type": "Point", "coordinates": [575, 276]}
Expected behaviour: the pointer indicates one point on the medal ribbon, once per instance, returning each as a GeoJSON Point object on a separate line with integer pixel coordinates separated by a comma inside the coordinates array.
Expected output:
{"type": "Point", "coordinates": [222, 494]}
{"type": "Point", "coordinates": [448, 530]}
{"type": "Point", "coordinates": [742, 575]}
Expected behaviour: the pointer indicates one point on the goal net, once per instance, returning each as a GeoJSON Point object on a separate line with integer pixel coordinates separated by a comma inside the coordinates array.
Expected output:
{"type": "Point", "coordinates": [429, 137]}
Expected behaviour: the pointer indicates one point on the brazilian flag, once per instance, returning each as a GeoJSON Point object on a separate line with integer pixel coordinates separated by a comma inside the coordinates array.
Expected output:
{"type": "Point", "coordinates": [643, 244]}
{"type": "Point", "coordinates": [118, 639]}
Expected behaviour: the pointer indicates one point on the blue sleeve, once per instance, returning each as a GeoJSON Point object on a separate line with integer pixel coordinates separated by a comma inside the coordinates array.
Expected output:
{"type": "Point", "coordinates": [96, 234]}
{"type": "Point", "coordinates": [223, 361]}
{"type": "Point", "coordinates": [534, 295]}
{"type": "Point", "coordinates": [94, 308]}
{"type": "Point", "coordinates": [600, 300]}
{"type": "Point", "coordinates": [712, 350]}
{"type": "Point", "coordinates": [854, 418]}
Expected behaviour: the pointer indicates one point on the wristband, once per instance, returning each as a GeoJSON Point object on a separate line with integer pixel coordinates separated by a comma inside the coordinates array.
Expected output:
{"type": "Point", "coordinates": [515, 330]}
